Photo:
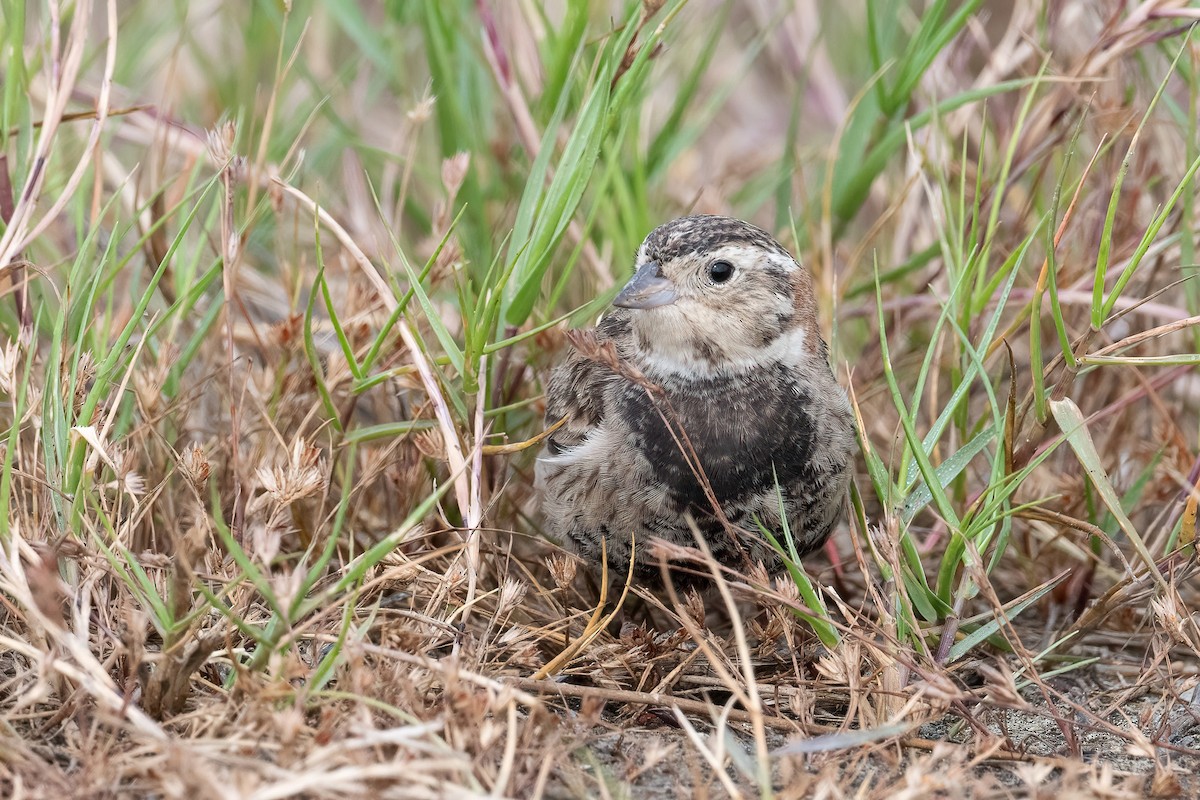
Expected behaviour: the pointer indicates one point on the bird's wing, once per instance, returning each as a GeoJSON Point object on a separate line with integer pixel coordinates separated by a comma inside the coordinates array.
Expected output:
{"type": "Point", "coordinates": [576, 392]}
{"type": "Point", "coordinates": [578, 384]}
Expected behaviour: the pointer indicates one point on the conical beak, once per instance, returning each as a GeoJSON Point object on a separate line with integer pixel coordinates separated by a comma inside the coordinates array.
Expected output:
{"type": "Point", "coordinates": [647, 289]}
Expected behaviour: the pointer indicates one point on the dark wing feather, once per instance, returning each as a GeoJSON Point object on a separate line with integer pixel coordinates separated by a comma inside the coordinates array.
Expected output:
{"type": "Point", "coordinates": [577, 387]}
{"type": "Point", "coordinates": [576, 391]}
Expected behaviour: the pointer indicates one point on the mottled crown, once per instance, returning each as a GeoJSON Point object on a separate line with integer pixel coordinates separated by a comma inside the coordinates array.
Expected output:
{"type": "Point", "coordinates": [701, 234]}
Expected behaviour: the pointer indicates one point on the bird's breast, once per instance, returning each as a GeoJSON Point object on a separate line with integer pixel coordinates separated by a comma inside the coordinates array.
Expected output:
{"type": "Point", "coordinates": [744, 430]}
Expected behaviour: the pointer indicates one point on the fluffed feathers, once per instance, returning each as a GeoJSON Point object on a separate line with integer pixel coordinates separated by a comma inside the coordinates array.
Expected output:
{"type": "Point", "coordinates": [708, 382]}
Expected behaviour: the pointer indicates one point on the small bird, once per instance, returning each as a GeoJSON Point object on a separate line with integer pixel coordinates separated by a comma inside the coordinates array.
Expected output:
{"type": "Point", "coordinates": [703, 398]}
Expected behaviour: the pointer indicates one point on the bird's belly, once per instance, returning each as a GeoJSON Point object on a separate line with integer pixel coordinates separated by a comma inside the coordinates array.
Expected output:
{"type": "Point", "coordinates": [602, 490]}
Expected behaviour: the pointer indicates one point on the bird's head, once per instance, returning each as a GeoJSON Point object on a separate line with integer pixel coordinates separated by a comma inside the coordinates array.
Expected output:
{"type": "Point", "coordinates": [714, 295]}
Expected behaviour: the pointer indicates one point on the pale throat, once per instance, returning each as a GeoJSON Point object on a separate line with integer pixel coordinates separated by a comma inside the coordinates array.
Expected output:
{"type": "Point", "coordinates": [671, 348]}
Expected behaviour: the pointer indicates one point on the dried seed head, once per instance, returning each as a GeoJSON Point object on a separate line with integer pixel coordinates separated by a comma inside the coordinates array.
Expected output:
{"type": "Point", "coordinates": [287, 584]}
{"type": "Point", "coordinates": [288, 332]}
{"type": "Point", "coordinates": [303, 475]}
{"type": "Point", "coordinates": [148, 382]}
{"type": "Point", "coordinates": [786, 588]}
{"type": "Point", "coordinates": [1165, 783]}
{"type": "Point", "coordinates": [264, 540]}
{"type": "Point", "coordinates": [147, 387]}
{"type": "Point", "coordinates": [10, 360]}
{"type": "Point", "coordinates": [128, 481]}
{"type": "Point", "coordinates": [430, 444]}
{"type": "Point", "coordinates": [422, 111]}
{"type": "Point", "coordinates": [562, 569]}
{"type": "Point", "coordinates": [885, 543]}
{"type": "Point", "coordinates": [220, 143]}
{"type": "Point", "coordinates": [1034, 775]}
{"type": "Point", "coordinates": [195, 465]}
{"type": "Point", "coordinates": [833, 668]}
{"type": "Point", "coordinates": [1000, 685]}
{"type": "Point", "coordinates": [758, 575]}
{"type": "Point", "coordinates": [1170, 619]}
{"type": "Point", "coordinates": [512, 592]}
{"type": "Point", "coordinates": [605, 352]}
{"type": "Point", "coordinates": [454, 172]}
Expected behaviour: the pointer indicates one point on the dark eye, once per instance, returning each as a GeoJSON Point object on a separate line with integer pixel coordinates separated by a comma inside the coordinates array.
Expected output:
{"type": "Point", "coordinates": [720, 271]}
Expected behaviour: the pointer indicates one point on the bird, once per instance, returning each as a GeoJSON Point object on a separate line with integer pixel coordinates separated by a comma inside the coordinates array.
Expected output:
{"type": "Point", "coordinates": [702, 402]}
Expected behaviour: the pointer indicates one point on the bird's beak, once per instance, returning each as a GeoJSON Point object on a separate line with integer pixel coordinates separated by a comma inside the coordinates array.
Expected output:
{"type": "Point", "coordinates": [647, 289]}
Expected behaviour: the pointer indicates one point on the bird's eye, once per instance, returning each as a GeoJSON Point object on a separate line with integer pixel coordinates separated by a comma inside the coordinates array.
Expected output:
{"type": "Point", "coordinates": [720, 271]}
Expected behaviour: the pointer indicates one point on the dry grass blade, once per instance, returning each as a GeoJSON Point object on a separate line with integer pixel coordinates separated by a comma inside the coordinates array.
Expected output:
{"type": "Point", "coordinates": [516, 447]}
{"type": "Point", "coordinates": [598, 621]}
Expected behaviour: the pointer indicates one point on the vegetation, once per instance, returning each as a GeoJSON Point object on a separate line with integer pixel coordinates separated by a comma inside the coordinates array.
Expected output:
{"type": "Point", "coordinates": [282, 281]}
